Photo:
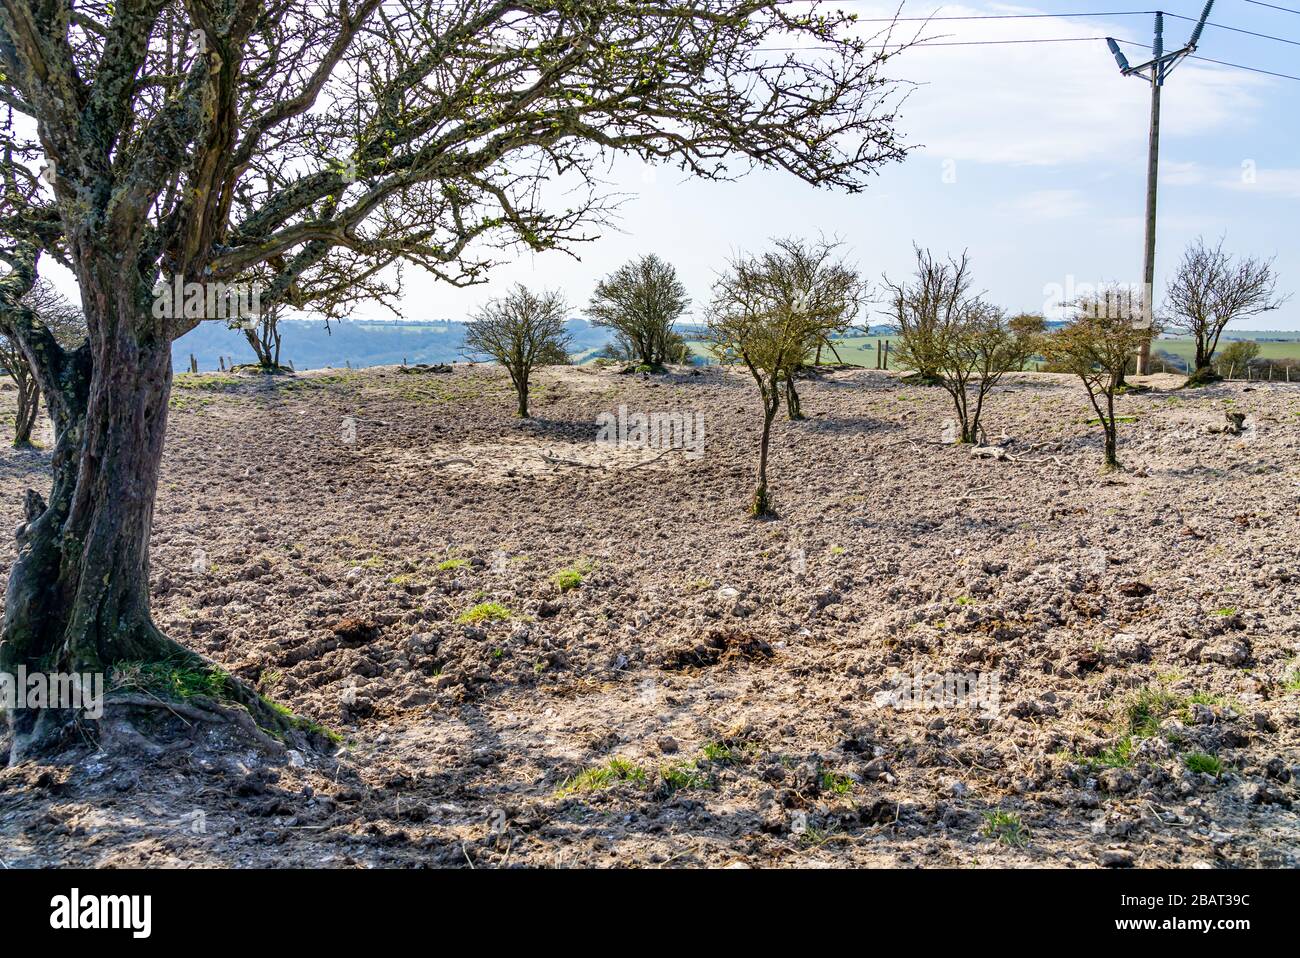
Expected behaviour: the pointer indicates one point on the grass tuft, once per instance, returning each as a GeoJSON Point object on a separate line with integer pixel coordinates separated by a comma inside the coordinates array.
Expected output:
{"type": "Point", "coordinates": [1200, 762]}
{"type": "Point", "coordinates": [1005, 828]}
{"type": "Point", "coordinates": [485, 612]}
{"type": "Point", "coordinates": [603, 776]}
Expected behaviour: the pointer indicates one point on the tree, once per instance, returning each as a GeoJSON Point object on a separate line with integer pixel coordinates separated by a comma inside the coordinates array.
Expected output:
{"type": "Point", "coordinates": [63, 319]}
{"type": "Point", "coordinates": [978, 349]}
{"type": "Point", "coordinates": [1096, 346]}
{"type": "Point", "coordinates": [1211, 290]}
{"type": "Point", "coordinates": [641, 301]}
{"type": "Point", "coordinates": [153, 142]}
{"type": "Point", "coordinates": [521, 330]}
{"type": "Point", "coordinates": [823, 292]}
{"type": "Point", "coordinates": [1237, 357]}
{"type": "Point", "coordinates": [328, 288]}
{"type": "Point", "coordinates": [928, 311]}
{"type": "Point", "coordinates": [769, 312]}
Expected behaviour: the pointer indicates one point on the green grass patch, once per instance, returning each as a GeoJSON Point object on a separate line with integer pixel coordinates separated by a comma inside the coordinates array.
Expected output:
{"type": "Point", "coordinates": [485, 612]}
{"type": "Point", "coordinates": [1148, 708]}
{"type": "Point", "coordinates": [169, 679]}
{"type": "Point", "coordinates": [302, 724]}
{"type": "Point", "coordinates": [451, 565]}
{"type": "Point", "coordinates": [570, 578]}
{"type": "Point", "coordinates": [681, 776]}
{"type": "Point", "coordinates": [209, 381]}
{"type": "Point", "coordinates": [836, 784]}
{"type": "Point", "coordinates": [603, 776]}
{"type": "Point", "coordinates": [1200, 762]}
{"type": "Point", "coordinates": [1006, 828]}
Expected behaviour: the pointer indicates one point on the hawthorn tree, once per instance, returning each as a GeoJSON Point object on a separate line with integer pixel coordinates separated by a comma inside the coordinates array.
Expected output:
{"type": "Point", "coordinates": [155, 141]}
{"type": "Point", "coordinates": [977, 350]}
{"type": "Point", "coordinates": [928, 310]}
{"type": "Point", "coordinates": [521, 331]}
{"type": "Point", "coordinates": [1211, 290]}
{"type": "Point", "coordinates": [1096, 346]}
{"type": "Point", "coordinates": [770, 312]}
{"type": "Point", "coordinates": [640, 302]}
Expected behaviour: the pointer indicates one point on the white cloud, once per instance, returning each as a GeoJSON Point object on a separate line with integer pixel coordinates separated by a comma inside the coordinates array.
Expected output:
{"type": "Point", "coordinates": [1047, 104]}
{"type": "Point", "coordinates": [1051, 204]}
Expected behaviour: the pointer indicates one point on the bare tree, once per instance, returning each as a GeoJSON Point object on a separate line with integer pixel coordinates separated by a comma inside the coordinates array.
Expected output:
{"type": "Point", "coordinates": [928, 312]}
{"type": "Point", "coordinates": [64, 320]}
{"type": "Point", "coordinates": [770, 312]}
{"type": "Point", "coordinates": [1096, 346]}
{"type": "Point", "coordinates": [522, 330]}
{"type": "Point", "coordinates": [1211, 290]}
{"type": "Point", "coordinates": [979, 348]}
{"type": "Point", "coordinates": [641, 301]}
{"type": "Point", "coordinates": [158, 140]}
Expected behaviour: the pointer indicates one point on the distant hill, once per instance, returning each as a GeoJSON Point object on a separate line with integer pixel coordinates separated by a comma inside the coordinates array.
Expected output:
{"type": "Point", "coordinates": [308, 344]}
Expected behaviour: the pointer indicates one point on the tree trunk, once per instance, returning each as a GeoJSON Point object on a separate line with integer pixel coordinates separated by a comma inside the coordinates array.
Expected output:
{"type": "Point", "coordinates": [793, 408]}
{"type": "Point", "coordinates": [1112, 458]}
{"type": "Point", "coordinates": [78, 592]}
{"type": "Point", "coordinates": [762, 505]}
{"type": "Point", "coordinates": [1112, 433]}
{"type": "Point", "coordinates": [29, 406]}
{"type": "Point", "coordinates": [521, 392]}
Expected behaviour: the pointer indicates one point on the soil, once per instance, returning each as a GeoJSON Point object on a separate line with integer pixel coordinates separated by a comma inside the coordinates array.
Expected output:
{"type": "Point", "coordinates": [705, 688]}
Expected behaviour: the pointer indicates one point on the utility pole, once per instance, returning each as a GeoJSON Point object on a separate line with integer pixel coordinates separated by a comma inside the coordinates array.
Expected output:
{"type": "Point", "coordinates": [1154, 71]}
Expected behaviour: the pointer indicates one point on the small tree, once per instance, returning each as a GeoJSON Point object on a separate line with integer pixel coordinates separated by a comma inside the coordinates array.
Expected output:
{"type": "Point", "coordinates": [822, 291]}
{"type": "Point", "coordinates": [1237, 357]}
{"type": "Point", "coordinates": [640, 302]}
{"type": "Point", "coordinates": [521, 330]}
{"type": "Point", "coordinates": [770, 312]}
{"type": "Point", "coordinates": [64, 321]}
{"type": "Point", "coordinates": [980, 347]}
{"type": "Point", "coordinates": [1096, 346]}
{"type": "Point", "coordinates": [1211, 290]}
{"type": "Point", "coordinates": [928, 311]}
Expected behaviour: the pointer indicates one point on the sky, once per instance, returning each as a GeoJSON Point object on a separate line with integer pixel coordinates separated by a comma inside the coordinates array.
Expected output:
{"type": "Point", "coordinates": [1032, 157]}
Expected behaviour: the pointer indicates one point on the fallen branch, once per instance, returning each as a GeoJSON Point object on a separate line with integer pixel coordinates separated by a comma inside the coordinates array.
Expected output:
{"type": "Point", "coordinates": [557, 461]}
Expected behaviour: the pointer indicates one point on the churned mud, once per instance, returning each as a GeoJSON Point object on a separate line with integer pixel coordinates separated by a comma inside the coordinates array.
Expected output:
{"type": "Point", "coordinates": [543, 650]}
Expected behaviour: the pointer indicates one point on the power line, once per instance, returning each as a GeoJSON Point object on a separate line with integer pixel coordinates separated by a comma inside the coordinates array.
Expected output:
{"type": "Point", "coordinates": [1249, 33]}
{"type": "Point", "coordinates": [1272, 6]}
{"type": "Point", "coordinates": [926, 44]}
{"type": "Point", "coordinates": [1007, 16]}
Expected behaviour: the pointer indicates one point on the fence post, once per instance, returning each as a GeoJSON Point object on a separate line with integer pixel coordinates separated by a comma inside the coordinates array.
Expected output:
{"type": "Point", "coordinates": [886, 354]}
{"type": "Point", "coordinates": [221, 361]}
{"type": "Point", "coordinates": [878, 342]}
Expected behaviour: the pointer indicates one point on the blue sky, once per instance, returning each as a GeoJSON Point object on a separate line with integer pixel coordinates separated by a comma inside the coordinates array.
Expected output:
{"type": "Point", "coordinates": [1033, 159]}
